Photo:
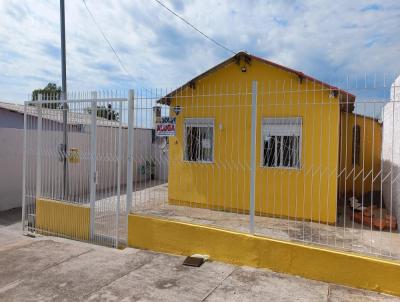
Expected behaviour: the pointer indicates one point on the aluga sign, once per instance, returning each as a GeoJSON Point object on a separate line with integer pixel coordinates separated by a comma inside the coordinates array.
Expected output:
{"type": "Point", "coordinates": [165, 126]}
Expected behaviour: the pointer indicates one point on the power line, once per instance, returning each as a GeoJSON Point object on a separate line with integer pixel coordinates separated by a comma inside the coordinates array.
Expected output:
{"type": "Point", "coordinates": [195, 28]}
{"type": "Point", "coordinates": [108, 42]}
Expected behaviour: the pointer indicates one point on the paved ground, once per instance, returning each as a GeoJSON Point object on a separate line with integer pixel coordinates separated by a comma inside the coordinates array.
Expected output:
{"type": "Point", "coordinates": [54, 269]}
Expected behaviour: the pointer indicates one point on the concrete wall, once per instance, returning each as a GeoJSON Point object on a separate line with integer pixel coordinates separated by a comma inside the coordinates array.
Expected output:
{"type": "Point", "coordinates": [391, 151]}
{"type": "Point", "coordinates": [11, 155]}
{"type": "Point", "coordinates": [107, 158]}
{"type": "Point", "coordinates": [9, 119]}
{"type": "Point", "coordinates": [10, 168]}
{"type": "Point", "coordinates": [65, 219]}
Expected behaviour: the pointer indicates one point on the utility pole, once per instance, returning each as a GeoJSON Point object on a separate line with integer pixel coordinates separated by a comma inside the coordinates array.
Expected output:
{"type": "Point", "coordinates": [64, 98]}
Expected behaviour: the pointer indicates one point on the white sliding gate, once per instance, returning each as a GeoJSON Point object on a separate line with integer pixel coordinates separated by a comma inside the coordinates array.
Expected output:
{"type": "Point", "coordinates": [78, 166]}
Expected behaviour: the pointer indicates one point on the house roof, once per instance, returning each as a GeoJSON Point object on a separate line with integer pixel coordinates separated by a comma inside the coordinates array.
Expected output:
{"type": "Point", "coordinates": [73, 118]}
{"type": "Point", "coordinates": [363, 116]}
{"type": "Point", "coordinates": [350, 98]}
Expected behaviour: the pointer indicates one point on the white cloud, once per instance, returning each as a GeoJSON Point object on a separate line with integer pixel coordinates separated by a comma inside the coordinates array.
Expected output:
{"type": "Point", "coordinates": [326, 39]}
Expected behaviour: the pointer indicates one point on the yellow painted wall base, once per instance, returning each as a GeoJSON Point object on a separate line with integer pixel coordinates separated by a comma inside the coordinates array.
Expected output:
{"type": "Point", "coordinates": [242, 249]}
{"type": "Point", "coordinates": [60, 218]}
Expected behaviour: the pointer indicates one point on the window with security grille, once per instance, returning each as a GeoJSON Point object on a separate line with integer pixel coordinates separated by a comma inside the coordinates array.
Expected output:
{"type": "Point", "coordinates": [199, 140]}
{"type": "Point", "coordinates": [281, 142]}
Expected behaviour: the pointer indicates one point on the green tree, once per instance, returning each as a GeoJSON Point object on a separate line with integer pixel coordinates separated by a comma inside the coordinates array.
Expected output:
{"type": "Point", "coordinates": [49, 93]}
{"type": "Point", "coordinates": [105, 112]}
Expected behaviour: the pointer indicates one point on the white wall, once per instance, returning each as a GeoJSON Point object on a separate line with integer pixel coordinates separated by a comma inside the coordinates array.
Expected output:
{"type": "Point", "coordinates": [11, 149]}
{"type": "Point", "coordinates": [10, 168]}
{"type": "Point", "coordinates": [391, 151]}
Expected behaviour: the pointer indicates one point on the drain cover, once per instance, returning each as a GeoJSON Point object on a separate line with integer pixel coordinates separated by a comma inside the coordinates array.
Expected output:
{"type": "Point", "coordinates": [193, 261]}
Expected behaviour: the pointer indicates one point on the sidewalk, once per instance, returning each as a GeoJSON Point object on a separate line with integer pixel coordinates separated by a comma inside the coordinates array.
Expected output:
{"type": "Point", "coordinates": [54, 269]}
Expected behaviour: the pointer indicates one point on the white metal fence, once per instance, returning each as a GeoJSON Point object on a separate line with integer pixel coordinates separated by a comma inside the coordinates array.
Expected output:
{"type": "Point", "coordinates": [297, 160]}
{"type": "Point", "coordinates": [91, 159]}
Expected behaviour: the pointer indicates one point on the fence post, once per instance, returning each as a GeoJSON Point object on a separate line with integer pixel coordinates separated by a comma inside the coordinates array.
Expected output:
{"type": "Point", "coordinates": [65, 146]}
{"type": "Point", "coordinates": [93, 157]}
{"type": "Point", "coordinates": [129, 177]}
{"type": "Point", "coordinates": [253, 154]}
{"type": "Point", "coordinates": [24, 170]}
{"type": "Point", "coordinates": [39, 148]}
{"type": "Point", "coordinates": [118, 174]}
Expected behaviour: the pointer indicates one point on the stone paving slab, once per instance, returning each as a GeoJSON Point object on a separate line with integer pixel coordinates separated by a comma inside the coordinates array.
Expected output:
{"type": "Point", "coordinates": [346, 294]}
{"type": "Point", "coordinates": [81, 275]}
{"type": "Point", "coordinates": [249, 284]}
{"type": "Point", "coordinates": [32, 258]}
{"type": "Point", "coordinates": [166, 279]}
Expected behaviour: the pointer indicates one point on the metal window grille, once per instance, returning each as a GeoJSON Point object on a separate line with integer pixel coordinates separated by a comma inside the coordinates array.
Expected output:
{"type": "Point", "coordinates": [281, 142]}
{"type": "Point", "coordinates": [199, 136]}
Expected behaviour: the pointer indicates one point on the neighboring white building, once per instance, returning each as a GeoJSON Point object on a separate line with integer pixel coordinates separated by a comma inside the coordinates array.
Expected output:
{"type": "Point", "coordinates": [391, 150]}
{"type": "Point", "coordinates": [11, 154]}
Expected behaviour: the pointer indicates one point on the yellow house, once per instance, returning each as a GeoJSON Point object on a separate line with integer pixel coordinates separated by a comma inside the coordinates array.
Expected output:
{"type": "Point", "coordinates": [299, 130]}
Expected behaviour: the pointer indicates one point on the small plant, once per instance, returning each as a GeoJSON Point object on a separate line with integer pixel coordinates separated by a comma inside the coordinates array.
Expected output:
{"type": "Point", "coordinates": [148, 169]}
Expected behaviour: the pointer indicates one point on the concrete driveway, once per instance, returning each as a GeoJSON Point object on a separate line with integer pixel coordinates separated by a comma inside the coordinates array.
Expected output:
{"type": "Point", "coordinates": [54, 269]}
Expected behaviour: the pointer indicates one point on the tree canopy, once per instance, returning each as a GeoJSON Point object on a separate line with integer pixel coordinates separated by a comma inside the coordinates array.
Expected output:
{"type": "Point", "coordinates": [49, 93]}
{"type": "Point", "coordinates": [53, 93]}
{"type": "Point", "coordinates": [105, 112]}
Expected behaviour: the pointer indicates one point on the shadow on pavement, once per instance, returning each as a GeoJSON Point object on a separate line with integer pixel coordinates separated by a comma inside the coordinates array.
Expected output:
{"type": "Point", "coordinates": [10, 217]}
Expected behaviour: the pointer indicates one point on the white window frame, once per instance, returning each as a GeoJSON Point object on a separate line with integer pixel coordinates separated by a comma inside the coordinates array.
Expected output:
{"type": "Point", "coordinates": [281, 126]}
{"type": "Point", "coordinates": [199, 122]}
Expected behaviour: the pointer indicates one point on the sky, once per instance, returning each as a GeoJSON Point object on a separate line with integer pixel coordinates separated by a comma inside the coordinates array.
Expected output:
{"type": "Point", "coordinates": [337, 41]}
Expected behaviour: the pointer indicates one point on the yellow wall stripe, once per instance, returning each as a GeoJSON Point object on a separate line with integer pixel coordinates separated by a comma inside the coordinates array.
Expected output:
{"type": "Point", "coordinates": [62, 219]}
{"type": "Point", "coordinates": [242, 249]}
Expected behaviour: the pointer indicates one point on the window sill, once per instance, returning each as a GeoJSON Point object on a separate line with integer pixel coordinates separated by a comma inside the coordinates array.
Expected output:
{"type": "Point", "coordinates": [198, 162]}
{"type": "Point", "coordinates": [282, 168]}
